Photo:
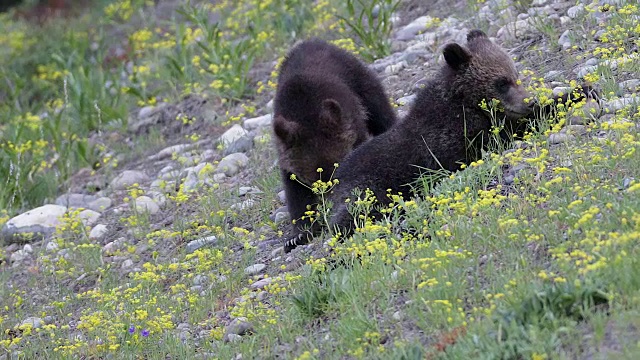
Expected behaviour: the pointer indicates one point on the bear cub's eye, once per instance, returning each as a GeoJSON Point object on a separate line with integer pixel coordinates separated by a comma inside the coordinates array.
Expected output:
{"type": "Point", "coordinates": [502, 85]}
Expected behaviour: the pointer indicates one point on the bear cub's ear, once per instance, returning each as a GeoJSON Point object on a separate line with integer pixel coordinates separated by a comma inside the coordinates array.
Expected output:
{"type": "Point", "coordinates": [476, 34]}
{"type": "Point", "coordinates": [456, 56]}
{"type": "Point", "coordinates": [331, 115]}
{"type": "Point", "coordinates": [288, 131]}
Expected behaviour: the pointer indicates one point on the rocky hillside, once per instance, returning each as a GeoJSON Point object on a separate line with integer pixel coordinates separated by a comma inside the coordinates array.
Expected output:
{"type": "Point", "coordinates": [172, 248]}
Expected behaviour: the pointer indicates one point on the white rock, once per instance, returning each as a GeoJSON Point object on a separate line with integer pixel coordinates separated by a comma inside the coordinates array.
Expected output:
{"type": "Point", "coordinates": [128, 178]}
{"type": "Point", "coordinates": [575, 11]}
{"type": "Point", "coordinates": [282, 196]}
{"type": "Point", "coordinates": [75, 200]}
{"type": "Point", "coordinates": [18, 256]}
{"type": "Point", "coordinates": [395, 68]}
{"type": "Point", "coordinates": [40, 221]}
{"type": "Point", "coordinates": [144, 112]}
{"type": "Point", "coordinates": [28, 249]}
{"type": "Point", "coordinates": [244, 190]}
{"type": "Point", "coordinates": [169, 151]}
{"type": "Point", "coordinates": [127, 264]}
{"type": "Point", "coordinates": [100, 204]}
{"type": "Point", "coordinates": [281, 217]}
{"type": "Point", "coordinates": [258, 122]}
{"type": "Point", "coordinates": [231, 164]}
{"type": "Point", "coordinates": [98, 232]}
{"type": "Point", "coordinates": [191, 181]}
{"type": "Point", "coordinates": [34, 322]}
{"type": "Point", "coordinates": [89, 217]}
{"type": "Point", "coordinates": [52, 246]}
{"type": "Point", "coordinates": [234, 133]}
{"type": "Point", "coordinates": [254, 269]}
{"type": "Point", "coordinates": [145, 203]}
{"type": "Point", "coordinates": [197, 244]}
{"type": "Point", "coordinates": [559, 138]}
{"type": "Point", "coordinates": [565, 40]}
{"type": "Point", "coordinates": [413, 28]}
{"type": "Point", "coordinates": [520, 29]}
{"type": "Point", "coordinates": [262, 283]}
{"type": "Point", "coordinates": [247, 204]}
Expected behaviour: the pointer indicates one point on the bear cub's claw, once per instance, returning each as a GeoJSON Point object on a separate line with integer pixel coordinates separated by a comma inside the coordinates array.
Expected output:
{"type": "Point", "coordinates": [292, 243]}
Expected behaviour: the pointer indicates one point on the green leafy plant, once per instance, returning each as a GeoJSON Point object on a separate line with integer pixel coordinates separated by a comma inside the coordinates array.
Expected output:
{"type": "Point", "coordinates": [371, 21]}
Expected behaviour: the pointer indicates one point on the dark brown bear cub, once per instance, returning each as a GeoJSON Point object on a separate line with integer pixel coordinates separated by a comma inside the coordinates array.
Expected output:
{"type": "Point", "coordinates": [327, 103]}
{"type": "Point", "coordinates": [446, 126]}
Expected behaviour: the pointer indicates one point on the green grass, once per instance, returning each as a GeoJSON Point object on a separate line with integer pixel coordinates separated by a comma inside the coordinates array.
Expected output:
{"type": "Point", "coordinates": [543, 269]}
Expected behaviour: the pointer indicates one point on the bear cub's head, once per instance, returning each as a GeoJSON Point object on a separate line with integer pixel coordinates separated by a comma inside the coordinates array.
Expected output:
{"type": "Point", "coordinates": [483, 70]}
{"type": "Point", "coordinates": [323, 136]}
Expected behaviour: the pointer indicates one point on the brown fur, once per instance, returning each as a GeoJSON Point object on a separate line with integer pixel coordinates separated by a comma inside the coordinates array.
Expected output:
{"type": "Point", "coordinates": [445, 127]}
{"type": "Point", "coordinates": [327, 103]}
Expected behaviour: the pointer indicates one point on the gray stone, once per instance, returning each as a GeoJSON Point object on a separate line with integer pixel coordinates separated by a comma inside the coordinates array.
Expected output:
{"type": "Point", "coordinates": [89, 217]}
{"type": "Point", "coordinates": [145, 203]}
{"type": "Point", "coordinates": [254, 269]}
{"type": "Point", "coordinates": [145, 112]}
{"type": "Point", "coordinates": [127, 264]}
{"type": "Point", "coordinates": [98, 232]}
{"type": "Point", "coordinates": [395, 68]}
{"type": "Point", "coordinates": [574, 130]}
{"type": "Point", "coordinates": [586, 70]}
{"type": "Point", "coordinates": [559, 138]}
{"type": "Point", "coordinates": [575, 11]}
{"type": "Point", "coordinates": [18, 256]}
{"type": "Point", "coordinates": [232, 164]}
{"type": "Point", "coordinates": [169, 151]}
{"type": "Point", "coordinates": [191, 181]}
{"type": "Point", "coordinates": [34, 322]}
{"type": "Point", "coordinates": [619, 104]}
{"type": "Point", "coordinates": [553, 75]}
{"type": "Point", "coordinates": [414, 28]}
{"type": "Point", "coordinates": [244, 190]}
{"type": "Point", "coordinates": [170, 175]}
{"type": "Point", "coordinates": [200, 243]}
{"type": "Point", "coordinates": [218, 178]}
{"type": "Point", "coordinates": [282, 196]}
{"type": "Point", "coordinates": [33, 225]}
{"type": "Point", "coordinates": [509, 179]}
{"type": "Point", "coordinates": [160, 184]}
{"type": "Point", "coordinates": [258, 122]}
{"type": "Point", "coordinates": [232, 134]}
{"type": "Point", "coordinates": [244, 205]}
{"type": "Point", "coordinates": [28, 249]}
{"type": "Point", "coordinates": [100, 204]}
{"type": "Point", "coordinates": [128, 178]}
{"type": "Point", "coordinates": [519, 29]}
{"type": "Point", "coordinates": [561, 90]}
{"type": "Point", "coordinates": [199, 279]}
{"type": "Point", "coordinates": [51, 246]}
{"type": "Point", "coordinates": [240, 145]}
{"type": "Point", "coordinates": [75, 200]}
{"type": "Point", "coordinates": [282, 217]}
{"type": "Point", "coordinates": [565, 40]}
{"type": "Point", "coordinates": [239, 326]}
{"type": "Point", "coordinates": [262, 283]}
{"type": "Point", "coordinates": [630, 85]}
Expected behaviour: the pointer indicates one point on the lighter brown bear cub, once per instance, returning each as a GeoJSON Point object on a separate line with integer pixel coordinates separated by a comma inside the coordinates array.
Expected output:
{"type": "Point", "coordinates": [327, 103]}
{"type": "Point", "coordinates": [445, 127]}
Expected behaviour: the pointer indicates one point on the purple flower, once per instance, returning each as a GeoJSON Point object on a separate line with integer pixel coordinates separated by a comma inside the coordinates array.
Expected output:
{"type": "Point", "coordinates": [132, 329]}
{"type": "Point", "coordinates": [145, 332]}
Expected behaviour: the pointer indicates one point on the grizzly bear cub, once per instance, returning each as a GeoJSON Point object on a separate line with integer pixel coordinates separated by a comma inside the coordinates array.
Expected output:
{"type": "Point", "coordinates": [327, 103]}
{"type": "Point", "coordinates": [445, 127]}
